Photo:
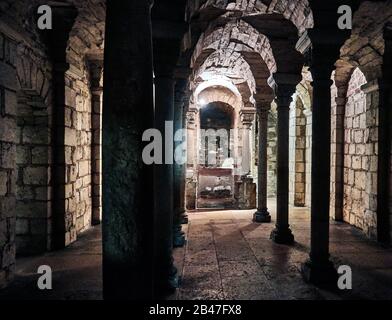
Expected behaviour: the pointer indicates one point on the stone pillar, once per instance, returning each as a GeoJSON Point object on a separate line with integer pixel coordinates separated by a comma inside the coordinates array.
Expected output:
{"type": "Point", "coordinates": [165, 272]}
{"type": "Point", "coordinates": [96, 68]}
{"type": "Point", "coordinates": [191, 118]}
{"type": "Point", "coordinates": [191, 171]}
{"type": "Point", "coordinates": [319, 269]}
{"type": "Point", "coordinates": [166, 55]}
{"type": "Point", "coordinates": [284, 90]}
{"type": "Point", "coordinates": [384, 163]}
{"type": "Point", "coordinates": [128, 188]}
{"type": "Point", "coordinates": [247, 116]}
{"type": "Point", "coordinates": [179, 168]}
{"type": "Point", "coordinates": [57, 39]}
{"type": "Point", "coordinates": [262, 214]}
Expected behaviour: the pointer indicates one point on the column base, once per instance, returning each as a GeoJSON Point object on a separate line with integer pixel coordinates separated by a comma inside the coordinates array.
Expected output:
{"type": "Point", "coordinates": [282, 236]}
{"type": "Point", "coordinates": [178, 238]}
{"type": "Point", "coordinates": [323, 275]}
{"type": "Point", "coordinates": [184, 219]}
{"type": "Point", "coordinates": [262, 216]}
{"type": "Point", "coordinates": [95, 222]}
{"type": "Point", "coordinates": [167, 286]}
{"type": "Point", "coordinates": [173, 282]}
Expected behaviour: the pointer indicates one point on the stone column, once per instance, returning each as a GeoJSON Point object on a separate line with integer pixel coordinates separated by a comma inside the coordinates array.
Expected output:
{"type": "Point", "coordinates": [191, 171]}
{"type": "Point", "coordinates": [179, 168]}
{"type": "Point", "coordinates": [128, 208]}
{"type": "Point", "coordinates": [191, 117]}
{"type": "Point", "coordinates": [165, 272]}
{"type": "Point", "coordinates": [166, 54]}
{"type": "Point", "coordinates": [262, 214]}
{"type": "Point", "coordinates": [319, 269]}
{"type": "Point", "coordinates": [247, 116]}
{"type": "Point", "coordinates": [284, 90]}
{"type": "Point", "coordinates": [57, 39]}
{"type": "Point", "coordinates": [384, 163]}
{"type": "Point", "coordinates": [96, 68]}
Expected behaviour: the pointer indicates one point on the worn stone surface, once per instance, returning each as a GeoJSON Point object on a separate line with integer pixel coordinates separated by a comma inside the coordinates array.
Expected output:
{"type": "Point", "coordinates": [229, 257]}
{"type": "Point", "coordinates": [77, 273]}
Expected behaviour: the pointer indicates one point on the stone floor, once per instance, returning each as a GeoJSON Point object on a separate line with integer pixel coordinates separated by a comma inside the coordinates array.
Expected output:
{"type": "Point", "coordinates": [229, 257]}
{"type": "Point", "coordinates": [226, 257]}
{"type": "Point", "coordinates": [77, 273]}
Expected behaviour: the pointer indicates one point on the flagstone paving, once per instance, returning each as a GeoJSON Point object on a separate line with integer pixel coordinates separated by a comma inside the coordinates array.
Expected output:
{"type": "Point", "coordinates": [227, 256]}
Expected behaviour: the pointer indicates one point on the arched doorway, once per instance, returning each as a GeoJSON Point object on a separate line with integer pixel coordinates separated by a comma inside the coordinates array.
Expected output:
{"type": "Point", "coordinates": [215, 171]}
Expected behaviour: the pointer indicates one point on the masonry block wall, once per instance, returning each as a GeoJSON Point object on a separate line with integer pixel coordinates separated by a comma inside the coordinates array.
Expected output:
{"type": "Point", "coordinates": [271, 152]}
{"type": "Point", "coordinates": [308, 157]}
{"type": "Point", "coordinates": [33, 153]}
{"type": "Point", "coordinates": [360, 154]}
{"type": "Point", "coordinates": [297, 154]}
{"type": "Point", "coordinates": [26, 144]}
{"type": "Point", "coordinates": [77, 142]}
{"type": "Point", "coordinates": [355, 158]}
{"type": "Point", "coordinates": [371, 89]}
{"type": "Point", "coordinates": [8, 141]}
{"type": "Point", "coordinates": [337, 145]}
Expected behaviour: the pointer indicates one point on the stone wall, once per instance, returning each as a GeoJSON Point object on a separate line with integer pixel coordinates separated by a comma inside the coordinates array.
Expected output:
{"type": "Point", "coordinates": [33, 154]}
{"type": "Point", "coordinates": [355, 159]}
{"type": "Point", "coordinates": [26, 154]}
{"type": "Point", "coordinates": [337, 113]}
{"type": "Point", "coordinates": [96, 74]}
{"type": "Point", "coordinates": [271, 152]}
{"type": "Point", "coordinates": [8, 140]}
{"type": "Point", "coordinates": [371, 89]}
{"type": "Point", "coordinates": [297, 154]}
{"type": "Point", "coordinates": [78, 139]}
{"type": "Point", "coordinates": [360, 155]}
{"type": "Point", "coordinates": [308, 157]}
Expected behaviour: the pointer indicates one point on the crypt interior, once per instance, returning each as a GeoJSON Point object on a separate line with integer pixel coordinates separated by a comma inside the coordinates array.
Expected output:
{"type": "Point", "coordinates": [297, 183]}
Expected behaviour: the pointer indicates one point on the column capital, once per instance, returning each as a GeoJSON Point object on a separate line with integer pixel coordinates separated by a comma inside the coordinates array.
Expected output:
{"type": "Point", "coordinates": [247, 116]}
{"type": "Point", "coordinates": [263, 106]}
{"type": "Point", "coordinates": [262, 113]}
{"type": "Point", "coordinates": [96, 69]}
{"type": "Point", "coordinates": [372, 86]}
{"type": "Point", "coordinates": [284, 86]}
{"type": "Point", "coordinates": [64, 17]}
{"type": "Point", "coordinates": [191, 117]}
{"type": "Point", "coordinates": [325, 52]}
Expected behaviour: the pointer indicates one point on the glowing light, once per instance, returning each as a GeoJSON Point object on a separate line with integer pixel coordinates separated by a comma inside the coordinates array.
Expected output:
{"type": "Point", "coordinates": [202, 102]}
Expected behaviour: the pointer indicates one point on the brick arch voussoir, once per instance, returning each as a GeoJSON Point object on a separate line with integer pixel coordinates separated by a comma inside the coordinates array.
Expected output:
{"type": "Point", "coordinates": [33, 75]}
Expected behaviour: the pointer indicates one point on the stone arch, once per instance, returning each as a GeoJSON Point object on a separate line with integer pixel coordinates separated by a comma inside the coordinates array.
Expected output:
{"type": "Point", "coordinates": [236, 35]}
{"type": "Point", "coordinates": [240, 101]}
{"type": "Point", "coordinates": [298, 12]}
{"type": "Point", "coordinates": [219, 94]}
{"type": "Point", "coordinates": [216, 115]}
{"type": "Point", "coordinates": [239, 36]}
{"type": "Point", "coordinates": [366, 46]}
{"type": "Point", "coordinates": [229, 63]}
{"type": "Point", "coordinates": [33, 155]}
